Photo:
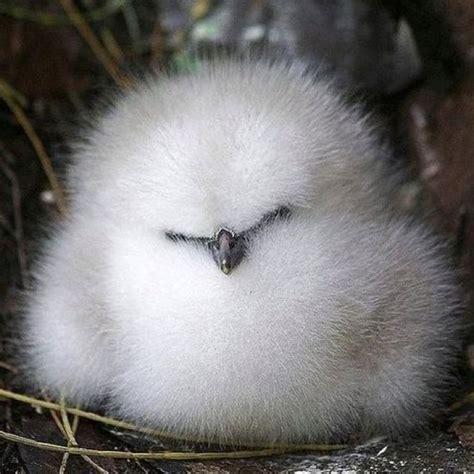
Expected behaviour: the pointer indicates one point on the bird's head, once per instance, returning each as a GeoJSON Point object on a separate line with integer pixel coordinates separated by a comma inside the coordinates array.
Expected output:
{"type": "Point", "coordinates": [214, 157]}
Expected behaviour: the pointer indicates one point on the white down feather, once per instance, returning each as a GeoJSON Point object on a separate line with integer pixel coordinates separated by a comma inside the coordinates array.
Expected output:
{"type": "Point", "coordinates": [341, 318]}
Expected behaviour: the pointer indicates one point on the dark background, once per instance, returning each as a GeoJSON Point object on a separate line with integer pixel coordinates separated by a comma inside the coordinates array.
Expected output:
{"type": "Point", "coordinates": [411, 62]}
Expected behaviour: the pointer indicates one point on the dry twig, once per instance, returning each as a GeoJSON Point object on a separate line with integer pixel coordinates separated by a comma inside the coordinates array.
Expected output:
{"type": "Point", "coordinates": [70, 435]}
{"type": "Point", "coordinates": [22, 119]}
{"type": "Point", "coordinates": [91, 39]}
{"type": "Point", "coordinates": [9, 367]}
{"type": "Point", "coordinates": [163, 456]}
{"type": "Point", "coordinates": [65, 459]}
{"type": "Point", "coordinates": [469, 398]}
{"type": "Point", "coordinates": [111, 7]}
{"type": "Point", "coordinates": [18, 221]}
{"type": "Point", "coordinates": [151, 432]}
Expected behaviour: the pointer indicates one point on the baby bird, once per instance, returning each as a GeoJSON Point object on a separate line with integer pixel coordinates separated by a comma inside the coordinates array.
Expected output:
{"type": "Point", "coordinates": [232, 270]}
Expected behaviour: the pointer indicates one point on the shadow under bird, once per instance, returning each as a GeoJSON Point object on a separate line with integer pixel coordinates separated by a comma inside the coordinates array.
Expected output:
{"type": "Point", "coordinates": [232, 267]}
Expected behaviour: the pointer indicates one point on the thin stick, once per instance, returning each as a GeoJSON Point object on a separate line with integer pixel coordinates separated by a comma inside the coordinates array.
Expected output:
{"type": "Point", "coordinates": [111, 7]}
{"type": "Point", "coordinates": [64, 461]}
{"type": "Point", "coordinates": [36, 142]}
{"type": "Point", "coordinates": [156, 42]}
{"type": "Point", "coordinates": [83, 414]}
{"type": "Point", "coordinates": [164, 456]}
{"type": "Point", "coordinates": [9, 367]}
{"type": "Point", "coordinates": [128, 426]}
{"type": "Point", "coordinates": [469, 398]}
{"type": "Point", "coordinates": [132, 24]}
{"type": "Point", "coordinates": [18, 221]}
{"type": "Point", "coordinates": [6, 226]}
{"type": "Point", "coordinates": [58, 423]}
{"type": "Point", "coordinates": [70, 434]}
{"type": "Point", "coordinates": [91, 39]}
{"type": "Point", "coordinates": [111, 45]}
{"type": "Point", "coordinates": [66, 424]}
{"type": "Point", "coordinates": [62, 468]}
{"type": "Point", "coordinates": [55, 417]}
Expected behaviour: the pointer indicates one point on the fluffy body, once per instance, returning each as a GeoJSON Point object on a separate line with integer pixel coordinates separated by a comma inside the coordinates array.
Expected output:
{"type": "Point", "coordinates": [341, 318]}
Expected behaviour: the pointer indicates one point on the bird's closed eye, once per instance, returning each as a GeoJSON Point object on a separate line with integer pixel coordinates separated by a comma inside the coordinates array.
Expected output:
{"type": "Point", "coordinates": [281, 213]}
{"type": "Point", "coordinates": [175, 237]}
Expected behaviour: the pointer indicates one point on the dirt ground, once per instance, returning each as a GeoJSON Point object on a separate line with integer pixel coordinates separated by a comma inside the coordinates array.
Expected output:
{"type": "Point", "coordinates": [413, 64]}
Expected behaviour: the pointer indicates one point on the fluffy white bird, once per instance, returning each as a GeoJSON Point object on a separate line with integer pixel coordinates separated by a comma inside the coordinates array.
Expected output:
{"type": "Point", "coordinates": [231, 268]}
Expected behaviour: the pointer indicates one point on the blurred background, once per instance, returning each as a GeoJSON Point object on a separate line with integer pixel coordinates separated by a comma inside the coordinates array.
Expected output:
{"type": "Point", "coordinates": [410, 62]}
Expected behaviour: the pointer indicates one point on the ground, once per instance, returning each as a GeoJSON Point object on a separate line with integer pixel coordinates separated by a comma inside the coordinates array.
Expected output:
{"type": "Point", "coordinates": [56, 60]}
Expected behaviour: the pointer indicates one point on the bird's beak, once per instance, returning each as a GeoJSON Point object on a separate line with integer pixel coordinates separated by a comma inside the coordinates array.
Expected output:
{"type": "Point", "coordinates": [227, 250]}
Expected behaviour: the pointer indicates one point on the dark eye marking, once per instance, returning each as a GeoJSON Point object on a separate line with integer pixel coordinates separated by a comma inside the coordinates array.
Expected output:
{"type": "Point", "coordinates": [281, 213]}
{"type": "Point", "coordinates": [278, 214]}
{"type": "Point", "coordinates": [175, 237]}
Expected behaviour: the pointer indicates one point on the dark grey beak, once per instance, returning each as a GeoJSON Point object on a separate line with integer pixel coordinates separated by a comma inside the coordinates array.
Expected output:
{"type": "Point", "coordinates": [227, 250]}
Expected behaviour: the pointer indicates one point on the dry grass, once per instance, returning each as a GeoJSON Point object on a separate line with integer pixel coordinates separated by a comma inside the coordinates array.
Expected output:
{"type": "Point", "coordinates": [258, 451]}
{"type": "Point", "coordinates": [91, 39]}
{"type": "Point", "coordinates": [108, 55]}
{"type": "Point", "coordinates": [161, 456]}
{"type": "Point", "coordinates": [8, 94]}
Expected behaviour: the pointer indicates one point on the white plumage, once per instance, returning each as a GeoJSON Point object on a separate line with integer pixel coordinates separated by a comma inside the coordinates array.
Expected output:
{"type": "Point", "coordinates": [340, 318]}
